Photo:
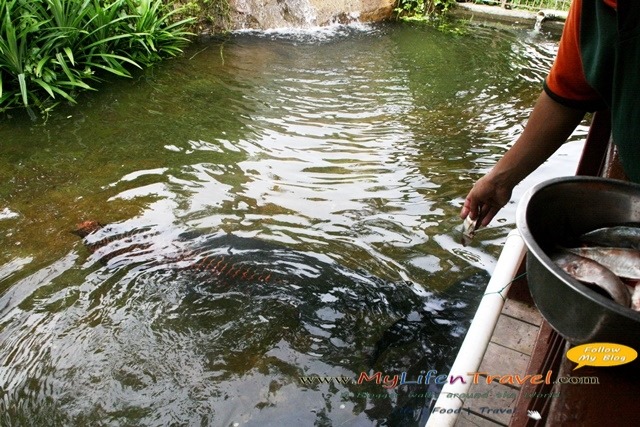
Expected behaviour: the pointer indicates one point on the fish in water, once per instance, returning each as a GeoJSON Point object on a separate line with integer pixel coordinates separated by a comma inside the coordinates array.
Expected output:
{"type": "Point", "coordinates": [620, 236]}
{"type": "Point", "coordinates": [126, 242]}
{"type": "Point", "coordinates": [591, 272]}
{"type": "Point", "coordinates": [330, 309]}
{"type": "Point", "coordinates": [432, 323]}
{"type": "Point", "coordinates": [623, 262]}
{"type": "Point", "coordinates": [84, 228]}
{"type": "Point", "coordinates": [198, 261]}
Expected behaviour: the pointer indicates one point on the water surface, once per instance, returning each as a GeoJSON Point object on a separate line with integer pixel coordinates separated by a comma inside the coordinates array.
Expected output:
{"type": "Point", "coordinates": [325, 169]}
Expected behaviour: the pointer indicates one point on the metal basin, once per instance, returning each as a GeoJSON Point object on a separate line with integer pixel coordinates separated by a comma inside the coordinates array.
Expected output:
{"type": "Point", "coordinates": [554, 213]}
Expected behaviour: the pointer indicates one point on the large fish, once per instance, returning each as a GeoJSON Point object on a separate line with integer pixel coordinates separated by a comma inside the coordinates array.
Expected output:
{"type": "Point", "coordinates": [621, 236]}
{"type": "Point", "coordinates": [623, 262]}
{"type": "Point", "coordinates": [591, 272]}
{"type": "Point", "coordinates": [224, 267]}
{"type": "Point", "coordinates": [123, 243]}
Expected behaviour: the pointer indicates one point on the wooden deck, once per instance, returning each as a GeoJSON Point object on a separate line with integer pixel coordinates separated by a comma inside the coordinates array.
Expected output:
{"type": "Point", "coordinates": [508, 353]}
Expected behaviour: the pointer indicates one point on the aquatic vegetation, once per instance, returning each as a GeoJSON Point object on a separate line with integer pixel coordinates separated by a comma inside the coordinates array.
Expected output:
{"type": "Point", "coordinates": [51, 49]}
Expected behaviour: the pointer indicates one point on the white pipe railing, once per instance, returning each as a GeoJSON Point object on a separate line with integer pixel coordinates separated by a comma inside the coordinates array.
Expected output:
{"type": "Point", "coordinates": [477, 339]}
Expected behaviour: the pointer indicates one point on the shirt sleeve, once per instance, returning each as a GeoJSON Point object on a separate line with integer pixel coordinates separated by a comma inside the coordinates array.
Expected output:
{"type": "Point", "coordinates": [566, 82]}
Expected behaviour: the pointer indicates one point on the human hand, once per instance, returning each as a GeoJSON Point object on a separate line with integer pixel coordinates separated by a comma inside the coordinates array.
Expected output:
{"type": "Point", "coordinates": [548, 127]}
{"type": "Point", "coordinates": [485, 199]}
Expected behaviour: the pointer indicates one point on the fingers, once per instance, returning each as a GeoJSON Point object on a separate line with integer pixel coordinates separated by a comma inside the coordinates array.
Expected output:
{"type": "Point", "coordinates": [485, 200]}
{"type": "Point", "coordinates": [487, 214]}
{"type": "Point", "coordinates": [464, 212]}
{"type": "Point", "coordinates": [481, 212]}
{"type": "Point", "coordinates": [469, 208]}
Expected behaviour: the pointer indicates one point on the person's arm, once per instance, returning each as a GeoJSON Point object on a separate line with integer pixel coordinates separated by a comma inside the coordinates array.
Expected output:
{"type": "Point", "coordinates": [549, 126]}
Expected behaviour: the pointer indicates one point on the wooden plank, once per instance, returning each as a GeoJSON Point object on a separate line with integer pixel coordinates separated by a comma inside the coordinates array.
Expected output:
{"type": "Point", "coordinates": [508, 354]}
{"type": "Point", "coordinates": [472, 420]}
{"type": "Point", "coordinates": [543, 358]}
{"type": "Point", "coordinates": [498, 405]}
{"type": "Point", "coordinates": [499, 360]}
{"type": "Point", "coordinates": [515, 334]}
{"type": "Point", "coordinates": [527, 312]}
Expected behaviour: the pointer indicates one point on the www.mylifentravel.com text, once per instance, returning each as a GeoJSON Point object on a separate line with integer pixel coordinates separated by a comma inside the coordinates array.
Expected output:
{"type": "Point", "coordinates": [432, 377]}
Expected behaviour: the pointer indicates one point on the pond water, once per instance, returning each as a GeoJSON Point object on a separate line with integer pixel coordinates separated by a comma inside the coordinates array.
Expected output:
{"type": "Point", "coordinates": [276, 206]}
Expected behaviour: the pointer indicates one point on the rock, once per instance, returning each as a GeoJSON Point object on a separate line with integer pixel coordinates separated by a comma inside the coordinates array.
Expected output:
{"type": "Point", "coordinates": [270, 14]}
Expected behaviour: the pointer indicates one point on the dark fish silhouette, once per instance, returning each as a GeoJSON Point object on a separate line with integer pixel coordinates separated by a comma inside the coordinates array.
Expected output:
{"type": "Point", "coordinates": [197, 260]}
{"type": "Point", "coordinates": [84, 228]}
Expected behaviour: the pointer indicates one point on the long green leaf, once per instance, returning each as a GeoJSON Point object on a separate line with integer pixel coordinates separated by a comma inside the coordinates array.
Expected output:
{"type": "Point", "coordinates": [119, 58]}
{"type": "Point", "coordinates": [51, 89]}
{"type": "Point", "coordinates": [60, 61]}
{"type": "Point", "coordinates": [69, 53]}
{"type": "Point", "coordinates": [23, 89]}
{"type": "Point", "coordinates": [45, 86]}
{"type": "Point", "coordinates": [118, 71]}
{"type": "Point", "coordinates": [40, 66]}
{"type": "Point", "coordinates": [106, 40]}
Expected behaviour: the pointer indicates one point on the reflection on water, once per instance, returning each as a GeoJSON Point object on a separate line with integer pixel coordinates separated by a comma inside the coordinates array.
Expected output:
{"type": "Point", "coordinates": [277, 206]}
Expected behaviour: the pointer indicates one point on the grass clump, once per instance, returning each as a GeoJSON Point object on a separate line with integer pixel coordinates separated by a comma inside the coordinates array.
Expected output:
{"type": "Point", "coordinates": [213, 16]}
{"type": "Point", "coordinates": [51, 49]}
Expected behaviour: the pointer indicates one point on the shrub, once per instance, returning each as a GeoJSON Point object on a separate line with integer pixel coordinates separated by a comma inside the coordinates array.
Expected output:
{"type": "Point", "coordinates": [421, 9]}
{"type": "Point", "coordinates": [50, 49]}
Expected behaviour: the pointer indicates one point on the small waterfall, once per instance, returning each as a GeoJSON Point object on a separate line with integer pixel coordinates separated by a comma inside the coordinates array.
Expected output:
{"type": "Point", "coordinates": [540, 18]}
{"type": "Point", "coordinates": [274, 14]}
{"type": "Point", "coordinates": [549, 16]}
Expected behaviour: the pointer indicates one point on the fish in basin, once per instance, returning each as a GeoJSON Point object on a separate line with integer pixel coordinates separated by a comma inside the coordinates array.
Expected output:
{"type": "Point", "coordinates": [591, 272]}
{"type": "Point", "coordinates": [623, 262]}
{"type": "Point", "coordinates": [620, 236]}
{"type": "Point", "coordinates": [607, 259]}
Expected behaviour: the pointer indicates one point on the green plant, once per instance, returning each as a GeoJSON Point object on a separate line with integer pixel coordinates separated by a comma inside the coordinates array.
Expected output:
{"type": "Point", "coordinates": [155, 35]}
{"type": "Point", "coordinates": [433, 12]}
{"type": "Point", "coordinates": [211, 15]}
{"type": "Point", "coordinates": [51, 49]}
{"type": "Point", "coordinates": [420, 10]}
{"type": "Point", "coordinates": [536, 5]}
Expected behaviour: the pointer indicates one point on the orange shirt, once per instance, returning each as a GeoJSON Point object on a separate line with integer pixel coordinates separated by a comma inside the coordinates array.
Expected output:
{"type": "Point", "coordinates": [566, 81]}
